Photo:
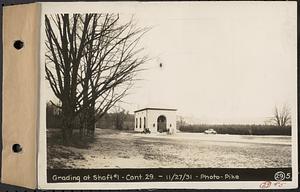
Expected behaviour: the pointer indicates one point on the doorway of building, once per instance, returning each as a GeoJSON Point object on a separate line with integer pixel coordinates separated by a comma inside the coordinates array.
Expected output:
{"type": "Point", "coordinates": [161, 124]}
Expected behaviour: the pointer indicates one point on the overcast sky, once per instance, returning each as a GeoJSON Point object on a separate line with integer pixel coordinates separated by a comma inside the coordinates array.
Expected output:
{"type": "Point", "coordinates": [223, 62]}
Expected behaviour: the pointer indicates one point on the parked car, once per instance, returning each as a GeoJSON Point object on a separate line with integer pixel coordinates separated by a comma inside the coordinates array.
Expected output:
{"type": "Point", "coordinates": [210, 131]}
{"type": "Point", "coordinates": [146, 131]}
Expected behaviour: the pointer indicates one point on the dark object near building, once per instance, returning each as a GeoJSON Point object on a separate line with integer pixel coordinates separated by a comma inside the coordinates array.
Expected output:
{"type": "Point", "coordinates": [146, 131]}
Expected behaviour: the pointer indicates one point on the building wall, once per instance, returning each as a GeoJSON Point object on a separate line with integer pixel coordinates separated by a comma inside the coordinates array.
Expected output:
{"type": "Point", "coordinates": [139, 120]}
{"type": "Point", "coordinates": [151, 120]}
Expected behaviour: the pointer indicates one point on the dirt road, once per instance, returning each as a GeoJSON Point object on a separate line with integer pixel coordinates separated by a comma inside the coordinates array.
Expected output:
{"type": "Point", "coordinates": [116, 149]}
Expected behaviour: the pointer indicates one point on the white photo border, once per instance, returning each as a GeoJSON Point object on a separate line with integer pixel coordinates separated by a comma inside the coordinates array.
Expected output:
{"type": "Point", "coordinates": [84, 7]}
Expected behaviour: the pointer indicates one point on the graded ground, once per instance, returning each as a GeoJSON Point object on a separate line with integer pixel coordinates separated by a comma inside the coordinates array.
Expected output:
{"type": "Point", "coordinates": [121, 149]}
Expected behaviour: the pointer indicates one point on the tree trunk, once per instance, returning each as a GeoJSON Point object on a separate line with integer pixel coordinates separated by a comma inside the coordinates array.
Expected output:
{"type": "Point", "coordinates": [67, 123]}
{"type": "Point", "coordinates": [92, 115]}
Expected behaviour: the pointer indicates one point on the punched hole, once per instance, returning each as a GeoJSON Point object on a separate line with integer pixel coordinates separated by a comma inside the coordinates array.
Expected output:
{"type": "Point", "coordinates": [16, 148]}
{"type": "Point", "coordinates": [18, 44]}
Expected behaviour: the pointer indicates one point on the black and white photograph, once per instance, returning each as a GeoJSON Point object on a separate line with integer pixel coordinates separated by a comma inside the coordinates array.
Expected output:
{"type": "Point", "coordinates": [165, 85]}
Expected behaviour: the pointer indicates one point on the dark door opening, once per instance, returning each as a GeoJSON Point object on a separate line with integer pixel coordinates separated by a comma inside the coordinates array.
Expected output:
{"type": "Point", "coordinates": [161, 124]}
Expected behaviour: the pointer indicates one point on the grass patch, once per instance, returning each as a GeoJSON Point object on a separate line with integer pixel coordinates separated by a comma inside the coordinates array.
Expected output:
{"type": "Point", "coordinates": [54, 137]}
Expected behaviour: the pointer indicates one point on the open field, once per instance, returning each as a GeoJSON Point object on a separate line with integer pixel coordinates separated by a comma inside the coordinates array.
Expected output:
{"type": "Point", "coordinates": [117, 149]}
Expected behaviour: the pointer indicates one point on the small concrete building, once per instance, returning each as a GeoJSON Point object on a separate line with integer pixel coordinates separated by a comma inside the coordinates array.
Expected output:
{"type": "Point", "coordinates": [155, 120]}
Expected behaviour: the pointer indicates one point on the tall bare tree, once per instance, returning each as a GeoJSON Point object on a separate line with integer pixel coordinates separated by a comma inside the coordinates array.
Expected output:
{"type": "Point", "coordinates": [91, 63]}
{"type": "Point", "coordinates": [282, 116]}
{"type": "Point", "coordinates": [109, 67]}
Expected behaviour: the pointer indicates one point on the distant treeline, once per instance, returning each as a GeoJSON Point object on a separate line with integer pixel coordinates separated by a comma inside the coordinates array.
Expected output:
{"type": "Point", "coordinates": [116, 120]}
{"type": "Point", "coordinates": [239, 129]}
{"type": "Point", "coordinates": [120, 119]}
{"type": "Point", "coordinates": [53, 117]}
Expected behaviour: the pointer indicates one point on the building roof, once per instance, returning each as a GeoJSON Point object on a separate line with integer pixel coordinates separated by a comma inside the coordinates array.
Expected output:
{"type": "Point", "coordinates": [150, 108]}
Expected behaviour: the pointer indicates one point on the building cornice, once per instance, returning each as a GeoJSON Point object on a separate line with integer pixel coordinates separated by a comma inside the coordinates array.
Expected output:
{"type": "Point", "coordinates": [150, 108]}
